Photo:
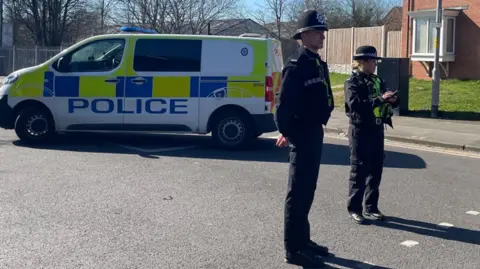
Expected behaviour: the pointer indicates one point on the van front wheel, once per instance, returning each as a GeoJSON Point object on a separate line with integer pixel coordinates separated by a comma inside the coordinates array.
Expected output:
{"type": "Point", "coordinates": [34, 125]}
{"type": "Point", "coordinates": [233, 130]}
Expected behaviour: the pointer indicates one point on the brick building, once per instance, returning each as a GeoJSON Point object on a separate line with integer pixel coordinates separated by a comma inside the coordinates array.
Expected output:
{"type": "Point", "coordinates": [459, 39]}
{"type": "Point", "coordinates": [393, 20]}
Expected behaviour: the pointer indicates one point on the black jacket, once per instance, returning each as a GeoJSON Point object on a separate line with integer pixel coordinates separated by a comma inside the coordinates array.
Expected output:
{"type": "Point", "coordinates": [304, 94]}
{"type": "Point", "coordinates": [359, 103]}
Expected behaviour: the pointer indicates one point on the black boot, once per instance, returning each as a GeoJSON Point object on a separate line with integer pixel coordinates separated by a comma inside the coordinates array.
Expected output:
{"type": "Point", "coordinates": [306, 258]}
{"type": "Point", "coordinates": [319, 250]}
{"type": "Point", "coordinates": [358, 218]}
{"type": "Point", "coordinates": [374, 215]}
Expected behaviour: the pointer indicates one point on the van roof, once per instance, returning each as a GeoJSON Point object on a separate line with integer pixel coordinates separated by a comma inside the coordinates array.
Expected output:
{"type": "Point", "coordinates": [181, 36]}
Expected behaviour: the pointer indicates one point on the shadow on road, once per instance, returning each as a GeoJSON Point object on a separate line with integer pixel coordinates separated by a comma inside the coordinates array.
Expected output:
{"type": "Point", "coordinates": [433, 230]}
{"type": "Point", "coordinates": [347, 263]}
{"type": "Point", "coordinates": [150, 146]}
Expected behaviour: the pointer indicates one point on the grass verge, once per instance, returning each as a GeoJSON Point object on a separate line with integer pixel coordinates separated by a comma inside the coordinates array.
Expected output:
{"type": "Point", "coordinates": [337, 79]}
{"type": "Point", "coordinates": [459, 100]}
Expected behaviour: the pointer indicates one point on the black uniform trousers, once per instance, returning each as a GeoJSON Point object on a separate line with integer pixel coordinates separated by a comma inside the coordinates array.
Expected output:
{"type": "Point", "coordinates": [305, 156]}
{"type": "Point", "coordinates": [366, 166]}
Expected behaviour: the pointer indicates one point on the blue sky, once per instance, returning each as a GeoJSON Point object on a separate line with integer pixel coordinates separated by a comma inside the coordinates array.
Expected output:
{"type": "Point", "coordinates": [252, 3]}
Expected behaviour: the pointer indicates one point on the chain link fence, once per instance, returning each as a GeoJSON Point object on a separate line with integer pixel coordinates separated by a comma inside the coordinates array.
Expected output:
{"type": "Point", "coordinates": [15, 58]}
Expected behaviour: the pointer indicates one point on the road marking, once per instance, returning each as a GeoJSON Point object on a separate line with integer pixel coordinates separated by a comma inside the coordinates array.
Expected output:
{"type": "Point", "coordinates": [408, 146]}
{"type": "Point", "coordinates": [445, 224]}
{"type": "Point", "coordinates": [473, 213]}
{"type": "Point", "coordinates": [409, 243]}
{"type": "Point", "coordinates": [365, 265]}
{"type": "Point", "coordinates": [158, 150]}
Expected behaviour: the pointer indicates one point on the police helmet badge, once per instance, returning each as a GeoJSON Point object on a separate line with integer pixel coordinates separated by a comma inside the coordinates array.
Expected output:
{"type": "Point", "coordinates": [310, 20]}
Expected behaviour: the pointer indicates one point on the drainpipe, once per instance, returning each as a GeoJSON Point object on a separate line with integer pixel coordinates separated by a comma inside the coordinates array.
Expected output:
{"type": "Point", "coordinates": [408, 29]}
{"type": "Point", "coordinates": [410, 7]}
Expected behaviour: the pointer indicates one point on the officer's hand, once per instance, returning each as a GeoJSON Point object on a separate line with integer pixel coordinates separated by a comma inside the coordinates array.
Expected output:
{"type": "Point", "coordinates": [282, 141]}
{"type": "Point", "coordinates": [387, 95]}
{"type": "Point", "coordinates": [392, 100]}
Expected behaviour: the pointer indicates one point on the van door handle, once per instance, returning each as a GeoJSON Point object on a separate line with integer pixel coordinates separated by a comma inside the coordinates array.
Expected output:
{"type": "Point", "coordinates": [111, 80]}
{"type": "Point", "coordinates": [139, 81]}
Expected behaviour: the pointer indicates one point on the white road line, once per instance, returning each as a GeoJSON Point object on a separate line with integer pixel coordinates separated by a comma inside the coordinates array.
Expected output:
{"type": "Point", "coordinates": [409, 243]}
{"type": "Point", "coordinates": [365, 265]}
{"type": "Point", "coordinates": [157, 150]}
{"type": "Point", "coordinates": [473, 213]}
{"type": "Point", "coordinates": [445, 224]}
{"type": "Point", "coordinates": [409, 146]}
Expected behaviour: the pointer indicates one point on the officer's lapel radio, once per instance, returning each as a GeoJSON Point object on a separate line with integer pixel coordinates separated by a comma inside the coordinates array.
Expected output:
{"type": "Point", "coordinates": [370, 89]}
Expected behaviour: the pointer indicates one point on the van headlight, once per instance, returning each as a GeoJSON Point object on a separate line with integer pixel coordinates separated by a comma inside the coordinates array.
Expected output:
{"type": "Point", "coordinates": [10, 79]}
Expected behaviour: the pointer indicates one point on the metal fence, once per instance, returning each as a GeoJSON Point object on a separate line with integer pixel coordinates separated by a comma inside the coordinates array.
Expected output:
{"type": "Point", "coordinates": [14, 58]}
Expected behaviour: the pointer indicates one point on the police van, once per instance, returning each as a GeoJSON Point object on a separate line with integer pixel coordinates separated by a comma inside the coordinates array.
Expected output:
{"type": "Point", "coordinates": [141, 81]}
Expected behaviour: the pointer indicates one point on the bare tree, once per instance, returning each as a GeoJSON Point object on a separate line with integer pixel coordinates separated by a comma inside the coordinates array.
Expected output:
{"type": "Point", "coordinates": [171, 16]}
{"type": "Point", "coordinates": [365, 13]}
{"type": "Point", "coordinates": [46, 21]}
{"type": "Point", "coordinates": [272, 11]}
{"type": "Point", "coordinates": [103, 9]}
{"type": "Point", "coordinates": [345, 13]}
{"type": "Point", "coordinates": [334, 12]}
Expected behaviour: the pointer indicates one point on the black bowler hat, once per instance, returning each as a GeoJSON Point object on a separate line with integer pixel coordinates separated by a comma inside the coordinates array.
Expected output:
{"type": "Point", "coordinates": [310, 20]}
{"type": "Point", "coordinates": [366, 53]}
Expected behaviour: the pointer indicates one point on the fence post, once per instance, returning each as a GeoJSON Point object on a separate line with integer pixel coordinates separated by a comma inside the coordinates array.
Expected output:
{"type": "Point", "coordinates": [352, 52]}
{"type": "Point", "coordinates": [14, 48]}
{"type": "Point", "coordinates": [384, 42]}
{"type": "Point", "coordinates": [36, 54]}
{"type": "Point", "coordinates": [325, 48]}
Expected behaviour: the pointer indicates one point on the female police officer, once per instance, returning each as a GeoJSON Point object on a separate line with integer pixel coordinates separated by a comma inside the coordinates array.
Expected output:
{"type": "Point", "coordinates": [304, 106]}
{"type": "Point", "coordinates": [369, 107]}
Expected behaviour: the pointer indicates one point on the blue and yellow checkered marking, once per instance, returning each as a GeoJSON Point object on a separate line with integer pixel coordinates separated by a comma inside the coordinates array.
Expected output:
{"type": "Point", "coordinates": [145, 87]}
{"type": "Point", "coordinates": [209, 84]}
{"type": "Point", "coordinates": [48, 84]}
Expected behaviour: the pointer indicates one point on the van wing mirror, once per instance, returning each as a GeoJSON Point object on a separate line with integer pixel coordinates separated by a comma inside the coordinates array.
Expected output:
{"type": "Point", "coordinates": [63, 64]}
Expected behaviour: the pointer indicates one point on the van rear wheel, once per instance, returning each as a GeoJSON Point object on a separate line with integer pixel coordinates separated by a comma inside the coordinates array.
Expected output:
{"type": "Point", "coordinates": [34, 125]}
{"type": "Point", "coordinates": [233, 130]}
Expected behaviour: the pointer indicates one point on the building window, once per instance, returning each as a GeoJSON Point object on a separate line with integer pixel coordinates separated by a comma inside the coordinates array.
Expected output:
{"type": "Point", "coordinates": [167, 55]}
{"type": "Point", "coordinates": [421, 35]}
{"type": "Point", "coordinates": [424, 34]}
{"type": "Point", "coordinates": [432, 34]}
{"type": "Point", "coordinates": [450, 35]}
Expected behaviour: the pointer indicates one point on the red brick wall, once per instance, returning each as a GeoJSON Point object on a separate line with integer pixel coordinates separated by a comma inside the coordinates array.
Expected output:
{"type": "Point", "coordinates": [393, 21]}
{"type": "Point", "coordinates": [467, 38]}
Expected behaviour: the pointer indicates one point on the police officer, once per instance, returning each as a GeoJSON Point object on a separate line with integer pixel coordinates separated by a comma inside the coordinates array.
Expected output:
{"type": "Point", "coordinates": [305, 104]}
{"type": "Point", "coordinates": [368, 106]}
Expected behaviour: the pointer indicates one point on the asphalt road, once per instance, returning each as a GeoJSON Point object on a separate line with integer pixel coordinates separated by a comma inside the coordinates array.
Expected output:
{"type": "Point", "coordinates": [95, 201]}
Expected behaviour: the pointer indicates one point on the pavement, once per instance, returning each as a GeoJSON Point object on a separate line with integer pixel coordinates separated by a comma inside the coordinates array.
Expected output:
{"type": "Point", "coordinates": [171, 201]}
{"type": "Point", "coordinates": [459, 135]}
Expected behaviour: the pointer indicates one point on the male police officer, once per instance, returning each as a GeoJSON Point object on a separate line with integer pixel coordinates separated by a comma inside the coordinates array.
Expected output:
{"type": "Point", "coordinates": [369, 107]}
{"type": "Point", "coordinates": [305, 104]}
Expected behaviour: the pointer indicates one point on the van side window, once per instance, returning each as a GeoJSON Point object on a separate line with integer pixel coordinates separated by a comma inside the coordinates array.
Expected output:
{"type": "Point", "coordinates": [97, 56]}
{"type": "Point", "coordinates": [167, 55]}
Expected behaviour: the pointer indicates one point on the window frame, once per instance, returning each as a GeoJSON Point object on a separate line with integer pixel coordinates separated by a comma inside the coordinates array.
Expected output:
{"type": "Point", "coordinates": [430, 16]}
{"type": "Point", "coordinates": [445, 35]}
{"type": "Point", "coordinates": [82, 46]}
{"type": "Point", "coordinates": [168, 72]}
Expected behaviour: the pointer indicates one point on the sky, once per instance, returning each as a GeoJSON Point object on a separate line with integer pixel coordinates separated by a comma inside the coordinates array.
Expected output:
{"type": "Point", "coordinates": [252, 3]}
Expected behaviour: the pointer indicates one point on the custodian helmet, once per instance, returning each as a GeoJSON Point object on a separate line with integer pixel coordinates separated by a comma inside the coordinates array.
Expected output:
{"type": "Point", "coordinates": [310, 20]}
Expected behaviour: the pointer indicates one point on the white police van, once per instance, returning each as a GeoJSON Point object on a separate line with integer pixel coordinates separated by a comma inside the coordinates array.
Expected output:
{"type": "Point", "coordinates": [146, 82]}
